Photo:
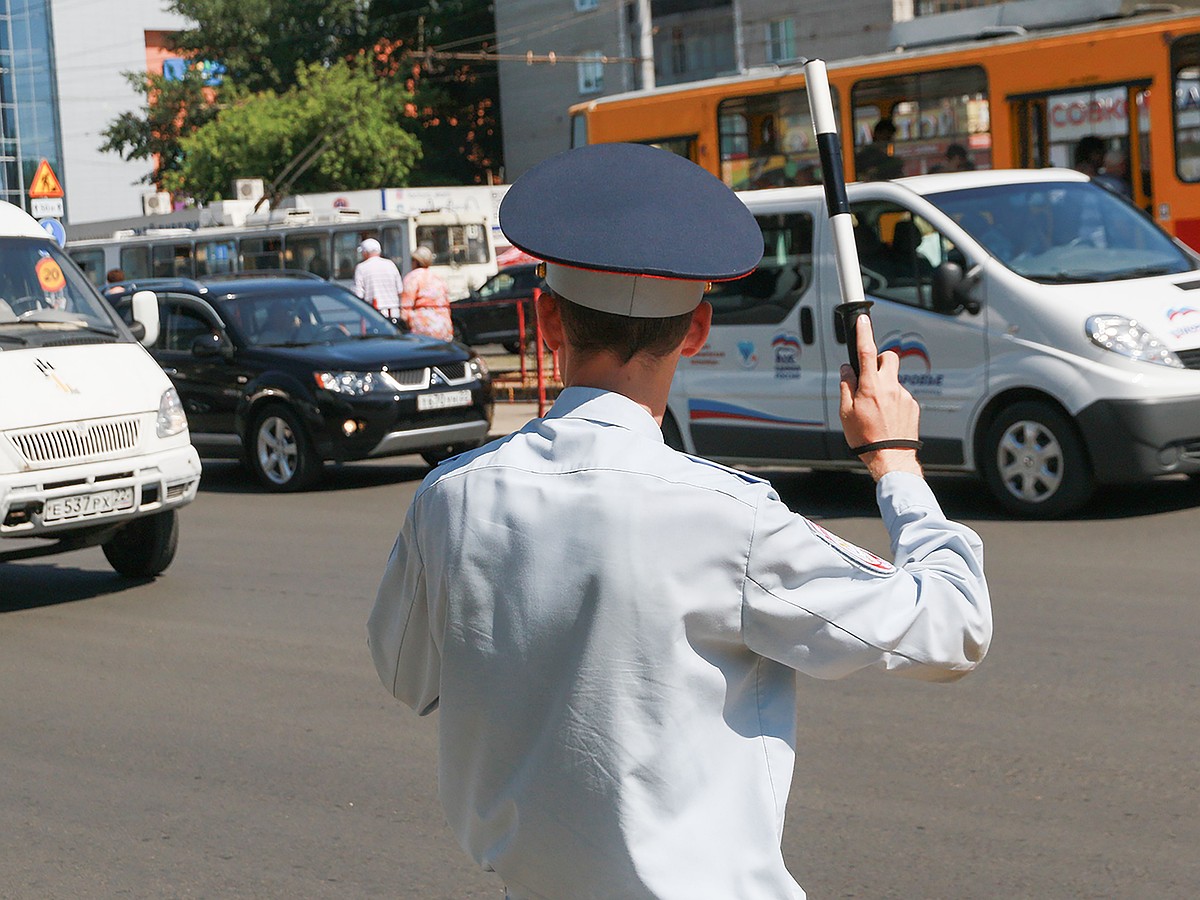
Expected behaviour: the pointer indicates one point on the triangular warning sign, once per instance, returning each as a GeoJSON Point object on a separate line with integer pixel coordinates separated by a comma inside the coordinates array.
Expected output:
{"type": "Point", "coordinates": [44, 183]}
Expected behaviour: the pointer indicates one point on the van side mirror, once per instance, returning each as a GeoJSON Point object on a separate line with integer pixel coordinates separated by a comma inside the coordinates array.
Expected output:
{"type": "Point", "coordinates": [950, 288]}
{"type": "Point", "coordinates": [209, 345]}
{"type": "Point", "coordinates": [145, 313]}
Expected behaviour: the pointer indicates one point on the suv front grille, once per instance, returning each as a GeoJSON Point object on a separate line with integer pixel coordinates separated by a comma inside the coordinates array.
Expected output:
{"type": "Point", "coordinates": [453, 372]}
{"type": "Point", "coordinates": [61, 445]}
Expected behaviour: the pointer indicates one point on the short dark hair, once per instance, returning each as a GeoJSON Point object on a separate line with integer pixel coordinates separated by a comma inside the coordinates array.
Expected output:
{"type": "Point", "coordinates": [592, 331]}
{"type": "Point", "coordinates": [956, 151]}
{"type": "Point", "coordinates": [1089, 147]}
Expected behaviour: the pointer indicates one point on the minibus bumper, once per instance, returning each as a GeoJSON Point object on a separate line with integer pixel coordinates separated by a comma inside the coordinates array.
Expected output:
{"type": "Point", "coordinates": [1133, 440]}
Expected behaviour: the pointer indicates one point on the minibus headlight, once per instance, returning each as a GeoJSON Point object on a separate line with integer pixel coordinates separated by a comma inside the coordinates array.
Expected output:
{"type": "Point", "coordinates": [171, 419]}
{"type": "Point", "coordinates": [1127, 337]}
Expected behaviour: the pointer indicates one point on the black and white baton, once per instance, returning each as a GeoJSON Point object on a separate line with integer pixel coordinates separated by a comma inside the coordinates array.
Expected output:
{"type": "Point", "coordinates": [853, 304]}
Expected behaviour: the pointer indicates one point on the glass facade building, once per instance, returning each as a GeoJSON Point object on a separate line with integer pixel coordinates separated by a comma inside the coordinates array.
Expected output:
{"type": "Point", "coordinates": [30, 130]}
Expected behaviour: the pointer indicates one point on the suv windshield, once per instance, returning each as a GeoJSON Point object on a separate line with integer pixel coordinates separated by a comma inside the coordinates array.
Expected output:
{"type": "Point", "coordinates": [303, 313]}
{"type": "Point", "coordinates": [1063, 232]}
{"type": "Point", "coordinates": [40, 286]}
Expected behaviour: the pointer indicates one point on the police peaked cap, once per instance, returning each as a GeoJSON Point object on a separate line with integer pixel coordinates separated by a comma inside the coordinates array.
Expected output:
{"type": "Point", "coordinates": [630, 229]}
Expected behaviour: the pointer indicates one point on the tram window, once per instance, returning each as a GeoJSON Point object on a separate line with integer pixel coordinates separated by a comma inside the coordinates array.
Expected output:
{"type": "Point", "coordinates": [1102, 114]}
{"type": "Point", "coordinates": [214, 257]}
{"type": "Point", "coordinates": [135, 262]}
{"type": "Point", "coordinates": [393, 246]}
{"type": "Point", "coordinates": [92, 264]}
{"type": "Point", "coordinates": [766, 141]}
{"type": "Point", "coordinates": [770, 292]}
{"type": "Point", "coordinates": [261, 253]}
{"type": "Point", "coordinates": [345, 254]}
{"type": "Point", "coordinates": [1185, 68]}
{"type": "Point", "coordinates": [680, 146]}
{"type": "Point", "coordinates": [309, 252]}
{"type": "Point", "coordinates": [172, 260]}
{"type": "Point", "coordinates": [454, 244]}
{"type": "Point", "coordinates": [929, 112]}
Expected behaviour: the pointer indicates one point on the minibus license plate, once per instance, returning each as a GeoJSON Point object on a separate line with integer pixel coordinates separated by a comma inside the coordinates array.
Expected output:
{"type": "Point", "coordinates": [95, 504]}
{"type": "Point", "coordinates": [444, 400]}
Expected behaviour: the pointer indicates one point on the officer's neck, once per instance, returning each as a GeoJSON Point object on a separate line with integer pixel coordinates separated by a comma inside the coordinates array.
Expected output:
{"type": "Point", "coordinates": [645, 380]}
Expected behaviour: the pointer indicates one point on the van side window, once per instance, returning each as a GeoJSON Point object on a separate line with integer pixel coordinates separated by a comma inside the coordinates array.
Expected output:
{"type": "Point", "coordinates": [770, 292]}
{"type": "Point", "coordinates": [898, 252]}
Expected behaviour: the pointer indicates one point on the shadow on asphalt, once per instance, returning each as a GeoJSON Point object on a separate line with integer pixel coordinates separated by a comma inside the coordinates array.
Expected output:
{"type": "Point", "coordinates": [228, 477]}
{"type": "Point", "coordinates": [842, 495]}
{"type": "Point", "coordinates": [39, 585]}
{"type": "Point", "coordinates": [817, 494]}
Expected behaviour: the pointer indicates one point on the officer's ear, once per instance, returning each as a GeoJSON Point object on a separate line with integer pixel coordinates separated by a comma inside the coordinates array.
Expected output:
{"type": "Point", "coordinates": [697, 333]}
{"type": "Point", "coordinates": [550, 316]}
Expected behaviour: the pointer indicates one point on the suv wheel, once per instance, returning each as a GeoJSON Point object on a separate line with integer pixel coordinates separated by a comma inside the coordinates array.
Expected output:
{"type": "Point", "coordinates": [280, 452]}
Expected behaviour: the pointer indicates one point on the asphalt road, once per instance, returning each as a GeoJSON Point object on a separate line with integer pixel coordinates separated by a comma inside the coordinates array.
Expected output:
{"type": "Point", "coordinates": [220, 732]}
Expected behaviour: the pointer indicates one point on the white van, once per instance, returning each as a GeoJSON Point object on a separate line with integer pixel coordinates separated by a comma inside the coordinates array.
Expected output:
{"type": "Point", "coordinates": [94, 446]}
{"type": "Point", "coordinates": [1048, 328]}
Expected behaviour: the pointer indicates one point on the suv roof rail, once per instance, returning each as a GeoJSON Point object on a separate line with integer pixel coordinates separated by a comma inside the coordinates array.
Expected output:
{"type": "Point", "coordinates": [265, 273]}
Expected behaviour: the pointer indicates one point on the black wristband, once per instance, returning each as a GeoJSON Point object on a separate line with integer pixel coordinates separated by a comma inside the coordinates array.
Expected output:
{"type": "Point", "coordinates": [897, 444]}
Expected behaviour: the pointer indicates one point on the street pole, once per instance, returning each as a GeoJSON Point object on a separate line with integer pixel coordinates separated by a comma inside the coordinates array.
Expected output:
{"type": "Point", "coordinates": [646, 44]}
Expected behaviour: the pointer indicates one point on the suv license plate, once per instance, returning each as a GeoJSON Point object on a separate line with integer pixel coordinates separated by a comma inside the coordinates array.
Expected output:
{"type": "Point", "coordinates": [96, 504]}
{"type": "Point", "coordinates": [444, 400]}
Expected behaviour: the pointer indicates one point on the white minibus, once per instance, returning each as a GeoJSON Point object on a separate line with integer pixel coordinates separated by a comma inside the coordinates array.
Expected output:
{"type": "Point", "coordinates": [94, 445]}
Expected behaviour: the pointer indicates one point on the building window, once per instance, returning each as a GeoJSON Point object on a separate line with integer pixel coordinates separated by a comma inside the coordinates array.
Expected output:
{"type": "Point", "coordinates": [586, 5]}
{"type": "Point", "coordinates": [781, 40]}
{"type": "Point", "coordinates": [591, 73]}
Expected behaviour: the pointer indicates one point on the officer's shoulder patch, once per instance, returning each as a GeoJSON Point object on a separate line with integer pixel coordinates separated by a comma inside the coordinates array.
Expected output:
{"type": "Point", "coordinates": [863, 559]}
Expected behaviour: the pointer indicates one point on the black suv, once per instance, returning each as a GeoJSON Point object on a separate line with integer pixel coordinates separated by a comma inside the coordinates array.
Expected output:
{"type": "Point", "coordinates": [285, 373]}
{"type": "Point", "coordinates": [489, 314]}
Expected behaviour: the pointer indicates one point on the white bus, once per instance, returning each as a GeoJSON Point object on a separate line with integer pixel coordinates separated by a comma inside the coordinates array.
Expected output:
{"type": "Point", "coordinates": [464, 254]}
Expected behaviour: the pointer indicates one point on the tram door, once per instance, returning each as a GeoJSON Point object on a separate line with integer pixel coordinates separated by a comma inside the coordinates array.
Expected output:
{"type": "Point", "coordinates": [1050, 127]}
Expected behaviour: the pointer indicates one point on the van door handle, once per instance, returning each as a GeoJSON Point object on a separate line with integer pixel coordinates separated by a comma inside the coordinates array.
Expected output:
{"type": "Point", "coordinates": [807, 328]}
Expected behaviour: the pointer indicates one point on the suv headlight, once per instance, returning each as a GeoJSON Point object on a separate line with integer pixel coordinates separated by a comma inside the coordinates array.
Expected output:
{"type": "Point", "coordinates": [1125, 336]}
{"type": "Point", "coordinates": [171, 419]}
{"type": "Point", "coordinates": [478, 367]}
{"type": "Point", "coordinates": [356, 384]}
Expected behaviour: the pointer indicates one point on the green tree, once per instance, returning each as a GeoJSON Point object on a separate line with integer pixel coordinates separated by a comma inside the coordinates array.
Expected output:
{"type": "Point", "coordinates": [337, 128]}
{"type": "Point", "coordinates": [456, 103]}
{"type": "Point", "coordinates": [171, 110]}
{"type": "Point", "coordinates": [262, 43]}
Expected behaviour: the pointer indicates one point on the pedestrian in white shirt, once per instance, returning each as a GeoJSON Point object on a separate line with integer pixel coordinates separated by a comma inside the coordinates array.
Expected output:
{"type": "Point", "coordinates": [377, 280]}
{"type": "Point", "coordinates": [609, 629]}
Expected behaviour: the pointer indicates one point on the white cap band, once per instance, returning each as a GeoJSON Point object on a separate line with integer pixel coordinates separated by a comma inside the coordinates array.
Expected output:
{"type": "Point", "coordinates": [636, 296]}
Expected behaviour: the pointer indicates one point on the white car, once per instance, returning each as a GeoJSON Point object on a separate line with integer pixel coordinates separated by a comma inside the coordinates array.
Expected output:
{"type": "Point", "coordinates": [1048, 328]}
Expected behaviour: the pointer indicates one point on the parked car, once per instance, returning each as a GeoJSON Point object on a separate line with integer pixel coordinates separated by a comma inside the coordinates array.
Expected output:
{"type": "Point", "coordinates": [489, 314]}
{"type": "Point", "coordinates": [287, 373]}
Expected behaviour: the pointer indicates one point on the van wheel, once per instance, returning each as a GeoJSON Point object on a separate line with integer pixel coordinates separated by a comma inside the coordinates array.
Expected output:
{"type": "Point", "coordinates": [145, 547]}
{"type": "Point", "coordinates": [1034, 462]}
{"type": "Point", "coordinates": [280, 452]}
{"type": "Point", "coordinates": [672, 437]}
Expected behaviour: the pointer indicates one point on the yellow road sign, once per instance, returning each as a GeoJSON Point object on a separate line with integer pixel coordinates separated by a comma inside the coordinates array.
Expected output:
{"type": "Point", "coordinates": [45, 183]}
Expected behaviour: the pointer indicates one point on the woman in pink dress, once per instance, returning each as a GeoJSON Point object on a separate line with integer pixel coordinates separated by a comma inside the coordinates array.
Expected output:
{"type": "Point", "coordinates": [424, 301]}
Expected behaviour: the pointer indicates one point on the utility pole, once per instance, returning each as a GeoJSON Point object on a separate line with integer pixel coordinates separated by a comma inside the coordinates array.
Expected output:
{"type": "Point", "coordinates": [646, 43]}
{"type": "Point", "coordinates": [739, 39]}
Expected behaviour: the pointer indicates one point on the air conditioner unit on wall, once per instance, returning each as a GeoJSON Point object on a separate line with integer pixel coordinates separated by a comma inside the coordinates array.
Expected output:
{"type": "Point", "coordinates": [156, 204]}
{"type": "Point", "coordinates": [248, 188]}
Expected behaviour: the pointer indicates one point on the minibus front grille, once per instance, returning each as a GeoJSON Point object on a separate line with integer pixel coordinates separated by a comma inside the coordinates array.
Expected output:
{"type": "Point", "coordinates": [77, 442]}
{"type": "Point", "coordinates": [1189, 358]}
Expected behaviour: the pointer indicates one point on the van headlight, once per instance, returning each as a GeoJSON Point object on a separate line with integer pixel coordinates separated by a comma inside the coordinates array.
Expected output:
{"type": "Point", "coordinates": [1127, 337]}
{"type": "Point", "coordinates": [171, 419]}
{"type": "Point", "coordinates": [357, 384]}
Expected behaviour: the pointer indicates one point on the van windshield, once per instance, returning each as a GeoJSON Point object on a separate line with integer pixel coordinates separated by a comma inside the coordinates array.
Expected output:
{"type": "Point", "coordinates": [1064, 232]}
{"type": "Point", "coordinates": [40, 286]}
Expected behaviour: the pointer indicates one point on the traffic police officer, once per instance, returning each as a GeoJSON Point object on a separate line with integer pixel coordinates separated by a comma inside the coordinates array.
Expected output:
{"type": "Point", "coordinates": [611, 629]}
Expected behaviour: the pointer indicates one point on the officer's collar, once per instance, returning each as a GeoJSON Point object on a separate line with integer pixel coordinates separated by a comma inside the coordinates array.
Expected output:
{"type": "Point", "coordinates": [606, 408]}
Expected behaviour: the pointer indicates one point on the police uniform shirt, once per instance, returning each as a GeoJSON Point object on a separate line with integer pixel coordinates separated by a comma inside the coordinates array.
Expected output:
{"type": "Point", "coordinates": [611, 630]}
